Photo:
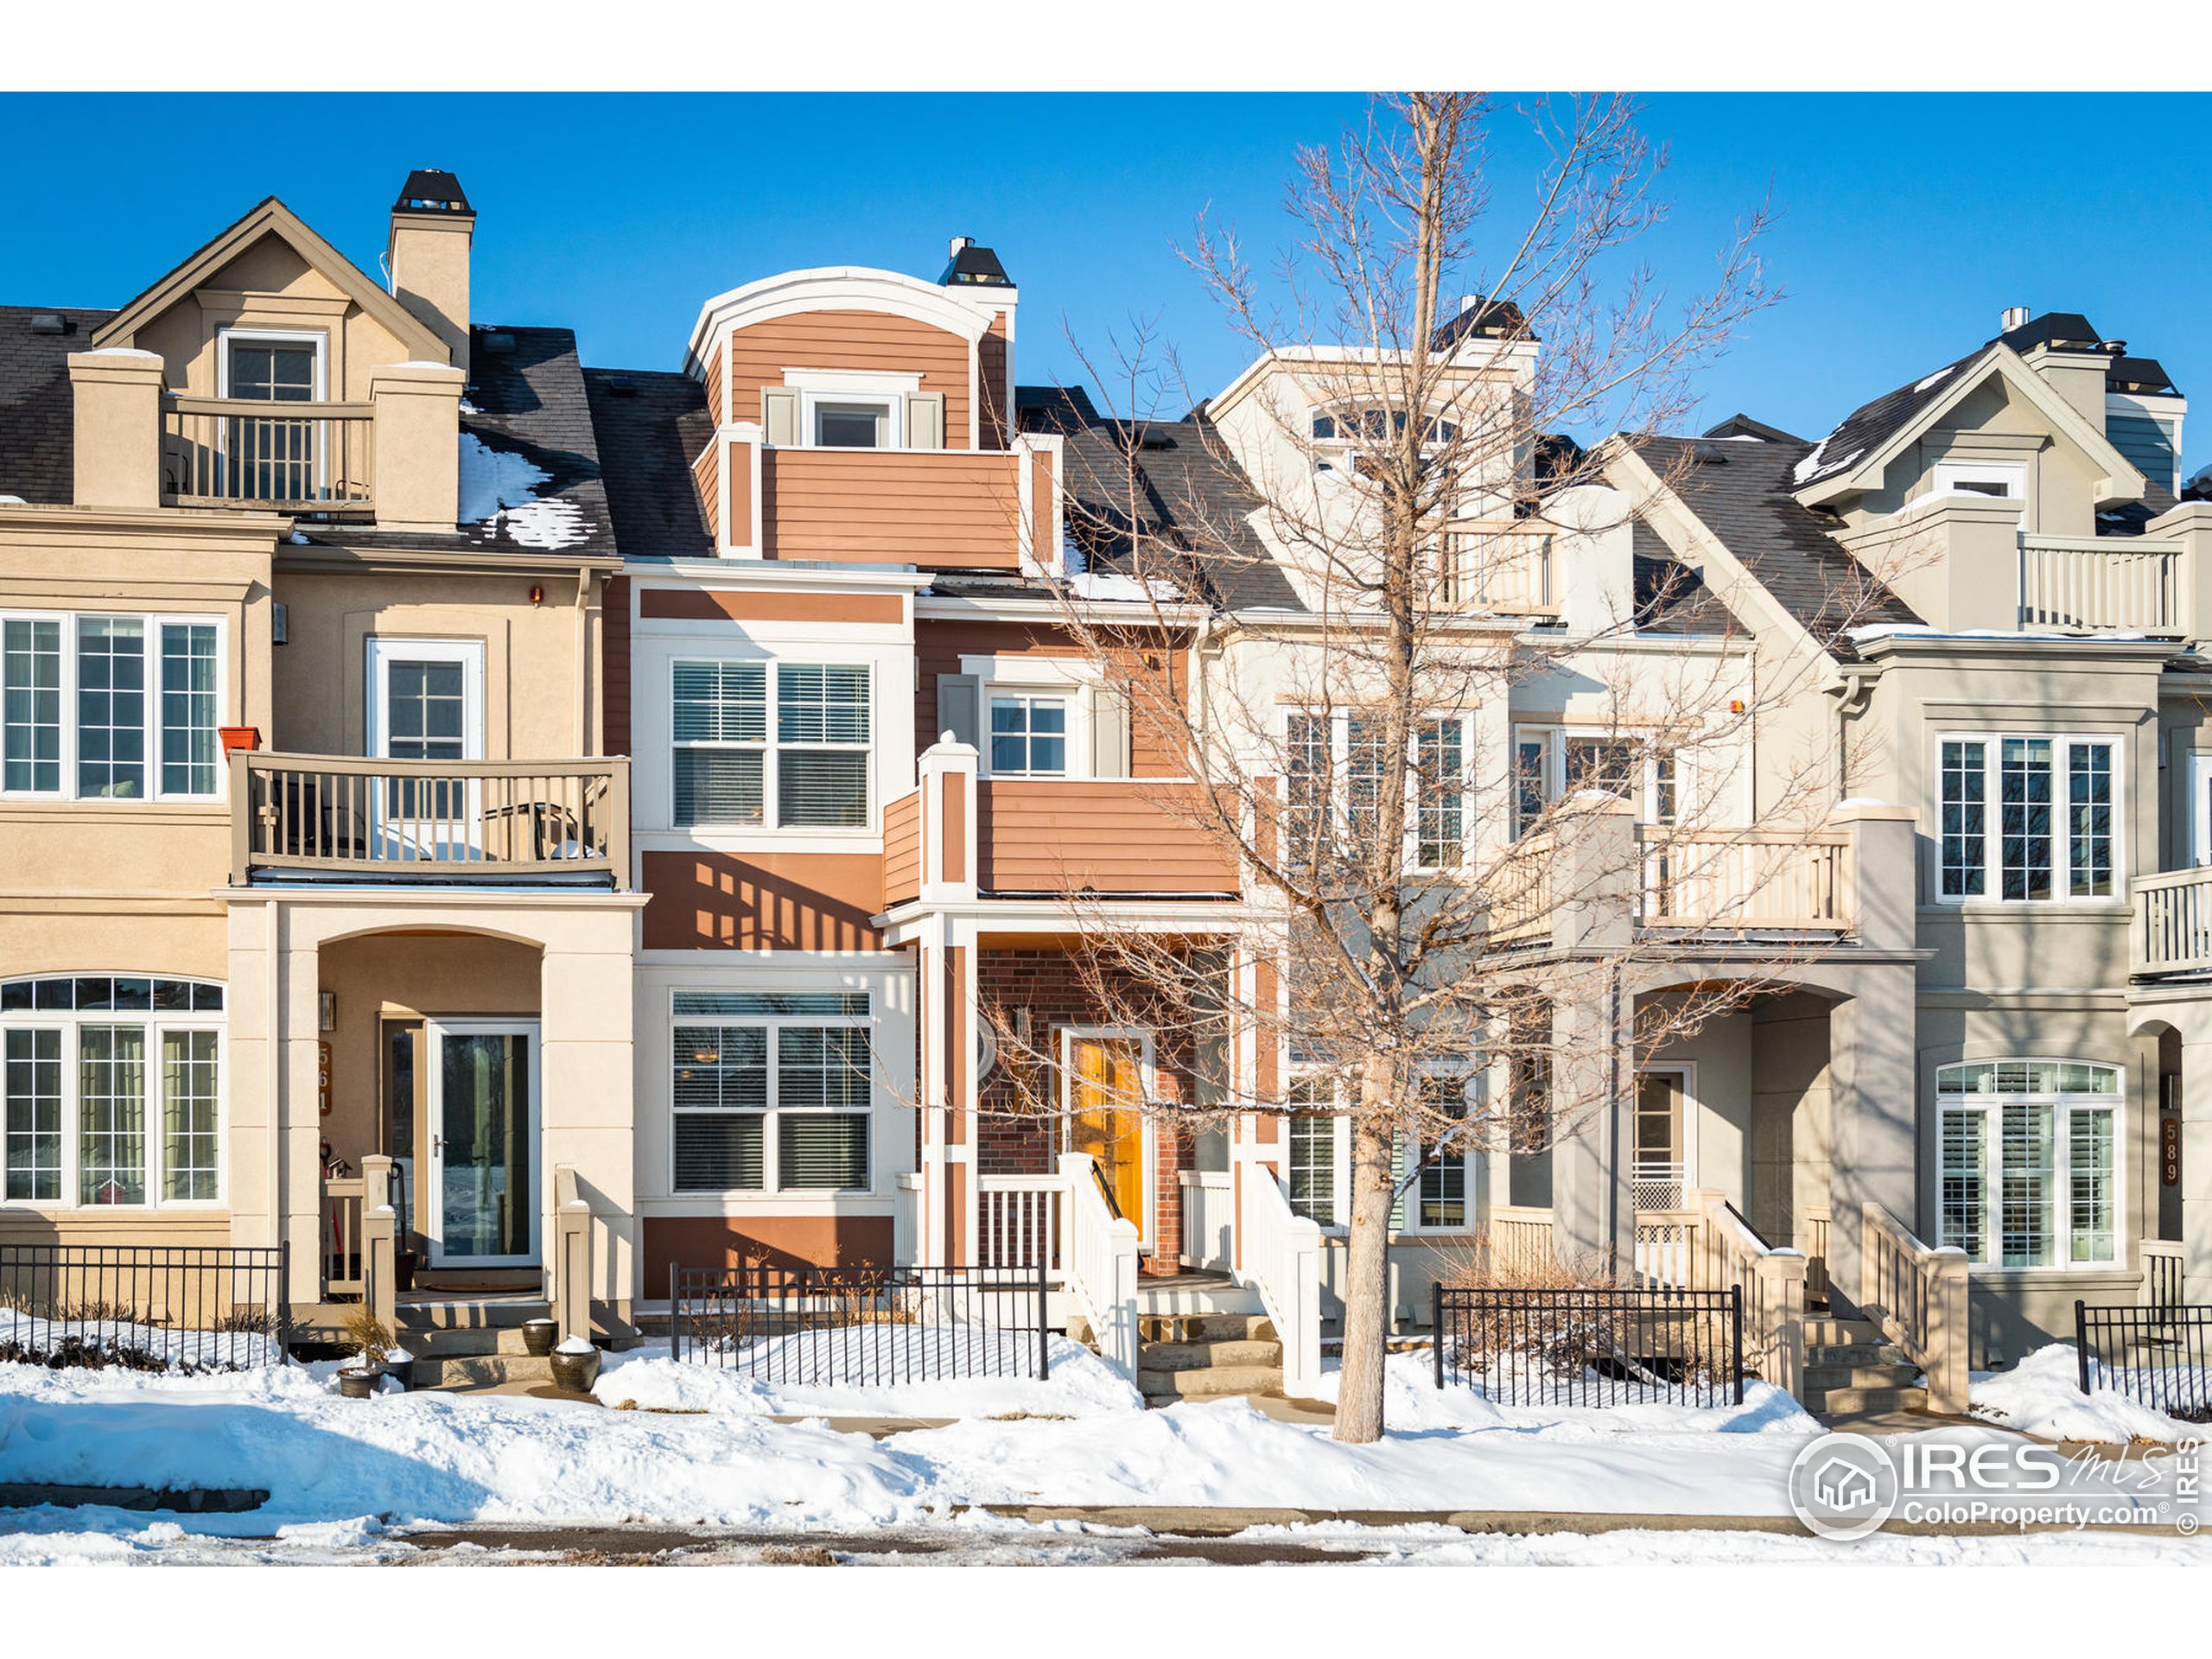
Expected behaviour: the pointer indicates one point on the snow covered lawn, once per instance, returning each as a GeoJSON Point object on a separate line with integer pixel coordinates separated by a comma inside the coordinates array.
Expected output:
{"type": "Point", "coordinates": [2042, 1395]}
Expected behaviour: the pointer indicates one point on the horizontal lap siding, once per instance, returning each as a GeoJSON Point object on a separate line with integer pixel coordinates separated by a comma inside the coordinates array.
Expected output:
{"type": "Point", "coordinates": [719, 1242]}
{"type": "Point", "coordinates": [902, 847]}
{"type": "Point", "coordinates": [1040, 837]}
{"type": "Point", "coordinates": [766, 901]}
{"type": "Point", "coordinates": [615, 667]}
{"type": "Point", "coordinates": [959, 510]}
{"type": "Point", "coordinates": [871, 341]}
{"type": "Point", "coordinates": [938, 647]}
{"type": "Point", "coordinates": [707, 473]}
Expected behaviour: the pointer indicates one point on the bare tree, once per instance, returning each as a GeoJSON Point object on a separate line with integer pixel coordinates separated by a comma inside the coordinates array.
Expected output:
{"type": "Point", "coordinates": [1409, 868]}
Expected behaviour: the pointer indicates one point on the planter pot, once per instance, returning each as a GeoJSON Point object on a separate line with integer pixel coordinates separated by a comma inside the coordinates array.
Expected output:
{"type": "Point", "coordinates": [359, 1385]}
{"type": "Point", "coordinates": [538, 1337]}
{"type": "Point", "coordinates": [576, 1372]}
{"type": "Point", "coordinates": [401, 1371]}
{"type": "Point", "coordinates": [402, 1270]}
{"type": "Point", "coordinates": [239, 737]}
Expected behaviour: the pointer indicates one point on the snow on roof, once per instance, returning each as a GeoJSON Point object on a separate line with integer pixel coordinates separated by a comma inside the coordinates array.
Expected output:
{"type": "Point", "coordinates": [498, 483]}
{"type": "Point", "coordinates": [1932, 379]}
{"type": "Point", "coordinates": [1813, 466]}
{"type": "Point", "coordinates": [1112, 585]}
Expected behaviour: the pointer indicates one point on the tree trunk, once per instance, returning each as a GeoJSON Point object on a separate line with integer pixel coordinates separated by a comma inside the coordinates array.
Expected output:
{"type": "Point", "coordinates": [1367, 1283]}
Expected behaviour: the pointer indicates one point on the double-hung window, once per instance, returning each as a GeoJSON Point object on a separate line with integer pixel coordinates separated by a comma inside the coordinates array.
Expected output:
{"type": "Point", "coordinates": [109, 1091]}
{"type": "Point", "coordinates": [771, 1091]}
{"type": "Point", "coordinates": [2029, 1170]}
{"type": "Point", "coordinates": [109, 708]}
{"type": "Point", "coordinates": [772, 744]}
{"type": "Point", "coordinates": [1337, 785]}
{"type": "Point", "coordinates": [1553, 763]}
{"type": "Point", "coordinates": [2027, 818]}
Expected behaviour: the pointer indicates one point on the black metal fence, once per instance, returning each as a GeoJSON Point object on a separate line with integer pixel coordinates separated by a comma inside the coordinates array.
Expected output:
{"type": "Point", "coordinates": [1592, 1347]}
{"type": "Point", "coordinates": [861, 1328]}
{"type": "Point", "coordinates": [143, 1308]}
{"type": "Point", "coordinates": [2157, 1357]}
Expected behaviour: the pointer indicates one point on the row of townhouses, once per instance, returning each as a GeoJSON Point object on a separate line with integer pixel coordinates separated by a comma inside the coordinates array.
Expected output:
{"type": "Point", "coordinates": [554, 824]}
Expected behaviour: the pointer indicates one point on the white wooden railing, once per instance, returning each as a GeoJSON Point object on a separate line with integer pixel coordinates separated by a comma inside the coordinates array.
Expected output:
{"type": "Point", "coordinates": [1099, 1257]}
{"type": "Point", "coordinates": [1209, 1217]}
{"type": "Point", "coordinates": [1663, 1239]}
{"type": "Point", "coordinates": [1725, 1251]}
{"type": "Point", "coordinates": [1780, 878]}
{"type": "Point", "coordinates": [1282, 1259]}
{"type": "Point", "coordinates": [2099, 582]}
{"type": "Point", "coordinates": [2162, 1272]}
{"type": "Point", "coordinates": [1018, 1220]}
{"type": "Point", "coordinates": [343, 1250]}
{"type": "Point", "coordinates": [2173, 923]}
{"type": "Point", "coordinates": [1519, 1238]}
{"type": "Point", "coordinates": [1916, 1294]}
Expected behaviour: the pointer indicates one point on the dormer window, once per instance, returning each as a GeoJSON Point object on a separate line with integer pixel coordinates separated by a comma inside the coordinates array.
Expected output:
{"type": "Point", "coordinates": [1338, 434]}
{"type": "Point", "coordinates": [855, 423]}
{"type": "Point", "coordinates": [2002, 480]}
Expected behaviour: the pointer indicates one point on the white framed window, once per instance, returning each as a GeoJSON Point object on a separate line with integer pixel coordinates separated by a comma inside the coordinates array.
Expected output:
{"type": "Point", "coordinates": [771, 1092]}
{"type": "Point", "coordinates": [426, 699]}
{"type": "Point", "coordinates": [1338, 434]}
{"type": "Point", "coordinates": [111, 1091]}
{"type": "Point", "coordinates": [272, 457]}
{"type": "Point", "coordinates": [2002, 480]}
{"type": "Point", "coordinates": [766, 744]}
{"type": "Point", "coordinates": [2030, 1172]}
{"type": "Point", "coordinates": [1333, 790]}
{"type": "Point", "coordinates": [1550, 763]}
{"type": "Point", "coordinates": [1319, 1160]}
{"type": "Point", "coordinates": [2028, 817]}
{"type": "Point", "coordinates": [1029, 734]}
{"type": "Point", "coordinates": [110, 707]}
{"type": "Point", "coordinates": [853, 420]}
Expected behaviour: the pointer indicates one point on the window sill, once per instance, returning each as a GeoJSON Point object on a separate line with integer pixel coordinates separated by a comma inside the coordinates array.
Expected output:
{"type": "Point", "coordinates": [2042, 909]}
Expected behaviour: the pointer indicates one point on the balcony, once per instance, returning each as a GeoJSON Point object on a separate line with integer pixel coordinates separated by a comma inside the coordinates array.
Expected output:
{"type": "Point", "coordinates": [1046, 837]}
{"type": "Point", "coordinates": [313, 817]}
{"type": "Point", "coordinates": [295, 458]}
{"type": "Point", "coordinates": [2128, 585]}
{"type": "Point", "coordinates": [955, 508]}
{"type": "Point", "coordinates": [1507, 569]}
{"type": "Point", "coordinates": [2172, 933]}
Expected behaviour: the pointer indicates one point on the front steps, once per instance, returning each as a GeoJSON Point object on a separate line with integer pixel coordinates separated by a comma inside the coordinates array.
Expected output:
{"type": "Point", "coordinates": [1850, 1371]}
{"type": "Point", "coordinates": [1200, 1335]}
{"type": "Point", "coordinates": [472, 1342]}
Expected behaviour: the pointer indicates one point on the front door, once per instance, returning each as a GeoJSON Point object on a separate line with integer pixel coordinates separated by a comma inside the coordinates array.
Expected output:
{"type": "Point", "coordinates": [1661, 1171]}
{"type": "Point", "coordinates": [1106, 1086]}
{"type": "Point", "coordinates": [426, 703]}
{"type": "Point", "coordinates": [480, 1187]}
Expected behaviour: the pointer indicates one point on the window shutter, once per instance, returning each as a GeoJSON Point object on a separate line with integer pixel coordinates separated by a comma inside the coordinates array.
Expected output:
{"type": "Point", "coordinates": [959, 698]}
{"type": "Point", "coordinates": [1109, 732]}
{"type": "Point", "coordinates": [926, 420]}
{"type": "Point", "coordinates": [780, 414]}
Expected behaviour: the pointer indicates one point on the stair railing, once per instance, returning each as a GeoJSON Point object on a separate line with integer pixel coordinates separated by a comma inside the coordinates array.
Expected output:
{"type": "Point", "coordinates": [1915, 1295]}
{"type": "Point", "coordinates": [380, 1243]}
{"type": "Point", "coordinates": [1281, 1257]}
{"type": "Point", "coordinates": [1099, 1260]}
{"type": "Point", "coordinates": [1724, 1251]}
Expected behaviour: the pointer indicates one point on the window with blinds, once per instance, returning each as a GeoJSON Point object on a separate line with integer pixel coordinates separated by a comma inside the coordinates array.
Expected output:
{"type": "Point", "coordinates": [788, 749]}
{"type": "Point", "coordinates": [771, 1091]}
{"type": "Point", "coordinates": [2028, 1173]}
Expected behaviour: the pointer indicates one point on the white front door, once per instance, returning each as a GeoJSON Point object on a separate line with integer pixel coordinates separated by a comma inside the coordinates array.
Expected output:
{"type": "Point", "coordinates": [2200, 809]}
{"type": "Point", "coordinates": [426, 703]}
{"type": "Point", "coordinates": [480, 1200]}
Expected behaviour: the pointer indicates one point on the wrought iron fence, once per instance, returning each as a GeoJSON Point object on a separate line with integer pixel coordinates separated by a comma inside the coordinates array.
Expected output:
{"type": "Point", "coordinates": [1600, 1347]}
{"type": "Point", "coordinates": [143, 1308]}
{"type": "Point", "coordinates": [2157, 1357]}
{"type": "Point", "coordinates": [860, 1327]}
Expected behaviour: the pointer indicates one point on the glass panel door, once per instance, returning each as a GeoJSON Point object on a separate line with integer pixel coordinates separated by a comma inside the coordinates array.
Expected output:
{"type": "Point", "coordinates": [480, 1202]}
{"type": "Point", "coordinates": [427, 703]}
{"type": "Point", "coordinates": [273, 456]}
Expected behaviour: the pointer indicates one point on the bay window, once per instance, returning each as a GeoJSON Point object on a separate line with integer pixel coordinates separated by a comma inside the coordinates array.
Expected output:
{"type": "Point", "coordinates": [772, 746]}
{"type": "Point", "coordinates": [109, 1091]}
{"type": "Point", "coordinates": [2029, 1176]}
{"type": "Point", "coordinates": [2027, 818]}
{"type": "Point", "coordinates": [109, 707]}
{"type": "Point", "coordinates": [771, 1091]}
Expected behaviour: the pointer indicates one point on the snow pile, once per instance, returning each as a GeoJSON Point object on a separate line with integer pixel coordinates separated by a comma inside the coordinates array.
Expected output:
{"type": "Point", "coordinates": [499, 484]}
{"type": "Point", "coordinates": [29, 1339]}
{"type": "Point", "coordinates": [1411, 1400]}
{"type": "Point", "coordinates": [1111, 585]}
{"type": "Point", "coordinates": [2042, 1395]}
{"type": "Point", "coordinates": [1080, 1384]}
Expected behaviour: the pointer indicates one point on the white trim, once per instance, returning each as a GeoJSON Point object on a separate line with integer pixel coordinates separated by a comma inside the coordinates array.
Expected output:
{"type": "Point", "coordinates": [890, 383]}
{"type": "Point", "coordinates": [2062, 744]}
{"type": "Point", "coordinates": [430, 1207]}
{"type": "Point", "coordinates": [2200, 809]}
{"type": "Point", "coordinates": [320, 339]}
{"type": "Point", "coordinates": [1148, 1144]}
{"type": "Point", "coordinates": [1685, 1072]}
{"type": "Point", "coordinates": [892, 403]}
{"type": "Point", "coordinates": [833, 288]}
{"type": "Point", "coordinates": [1955, 478]}
{"type": "Point", "coordinates": [2063, 1106]}
{"type": "Point", "coordinates": [152, 623]}
{"type": "Point", "coordinates": [772, 744]}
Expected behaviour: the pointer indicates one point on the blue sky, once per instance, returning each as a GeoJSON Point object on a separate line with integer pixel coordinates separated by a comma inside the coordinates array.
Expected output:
{"type": "Point", "coordinates": [1905, 225]}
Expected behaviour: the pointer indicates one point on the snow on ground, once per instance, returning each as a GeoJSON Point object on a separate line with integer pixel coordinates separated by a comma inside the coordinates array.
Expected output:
{"type": "Point", "coordinates": [2042, 1395]}
{"type": "Point", "coordinates": [1411, 1400]}
{"type": "Point", "coordinates": [498, 482]}
{"type": "Point", "coordinates": [172, 1346]}
{"type": "Point", "coordinates": [1081, 1384]}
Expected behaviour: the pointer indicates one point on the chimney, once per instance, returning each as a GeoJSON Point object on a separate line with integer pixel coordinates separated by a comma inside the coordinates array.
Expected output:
{"type": "Point", "coordinates": [427, 256]}
{"type": "Point", "coordinates": [957, 243]}
{"type": "Point", "coordinates": [2015, 316]}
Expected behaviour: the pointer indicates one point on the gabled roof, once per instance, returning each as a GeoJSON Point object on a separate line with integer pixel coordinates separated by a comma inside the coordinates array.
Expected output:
{"type": "Point", "coordinates": [273, 218]}
{"type": "Point", "coordinates": [1871, 436]}
{"type": "Point", "coordinates": [38, 419]}
{"type": "Point", "coordinates": [1740, 425]}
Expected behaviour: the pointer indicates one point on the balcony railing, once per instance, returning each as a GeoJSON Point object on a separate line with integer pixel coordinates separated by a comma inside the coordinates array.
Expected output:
{"type": "Point", "coordinates": [303, 458]}
{"type": "Point", "coordinates": [1767, 881]}
{"type": "Point", "coordinates": [2173, 924]}
{"type": "Point", "coordinates": [1509, 571]}
{"type": "Point", "coordinates": [344, 818]}
{"type": "Point", "coordinates": [2101, 583]}
{"type": "Point", "coordinates": [946, 508]}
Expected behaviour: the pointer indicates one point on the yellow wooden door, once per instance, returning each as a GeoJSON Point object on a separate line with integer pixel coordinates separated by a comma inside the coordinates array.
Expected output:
{"type": "Point", "coordinates": [1109, 1079]}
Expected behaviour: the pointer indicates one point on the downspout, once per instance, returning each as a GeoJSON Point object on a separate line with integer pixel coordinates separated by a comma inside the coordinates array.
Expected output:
{"type": "Point", "coordinates": [1613, 1113]}
{"type": "Point", "coordinates": [584, 747]}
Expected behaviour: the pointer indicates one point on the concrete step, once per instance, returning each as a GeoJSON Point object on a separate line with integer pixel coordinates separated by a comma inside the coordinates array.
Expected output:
{"type": "Point", "coordinates": [1853, 1401]}
{"type": "Point", "coordinates": [1196, 1356]}
{"type": "Point", "coordinates": [461, 1313]}
{"type": "Point", "coordinates": [1209, 1383]}
{"type": "Point", "coordinates": [1860, 1377]}
{"type": "Point", "coordinates": [1170, 1297]}
{"type": "Point", "coordinates": [441, 1342]}
{"type": "Point", "coordinates": [1827, 1332]}
{"type": "Point", "coordinates": [480, 1370]}
{"type": "Point", "coordinates": [1205, 1327]}
{"type": "Point", "coordinates": [1854, 1353]}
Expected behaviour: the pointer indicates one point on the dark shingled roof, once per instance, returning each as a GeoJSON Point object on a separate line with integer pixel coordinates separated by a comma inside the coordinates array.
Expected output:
{"type": "Point", "coordinates": [529, 402]}
{"type": "Point", "coordinates": [1740, 425]}
{"type": "Point", "coordinates": [1741, 492]}
{"type": "Point", "coordinates": [650, 424]}
{"type": "Point", "coordinates": [1872, 424]}
{"type": "Point", "coordinates": [1670, 597]}
{"type": "Point", "coordinates": [38, 423]}
{"type": "Point", "coordinates": [1178, 484]}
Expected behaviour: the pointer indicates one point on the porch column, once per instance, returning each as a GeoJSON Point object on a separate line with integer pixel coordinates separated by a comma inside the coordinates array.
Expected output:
{"type": "Point", "coordinates": [946, 1226]}
{"type": "Point", "coordinates": [1593, 1198]}
{"type": "Point", "coordinates": [273, 1095]}
{"type": "Point", "coordinates": [1873, 1114]}
{"type": "Point", "coordinates": [587, 1016]}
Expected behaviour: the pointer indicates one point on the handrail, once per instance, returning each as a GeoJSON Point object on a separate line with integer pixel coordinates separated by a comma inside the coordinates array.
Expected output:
{"type": "Point", "coordinates": [1727, 1250]}
{"type": "Point", "coordinates": [1018, 1220]}
{"type": "Point", "coordinates": [1917, 1295]}
{"type": "Point", "coordinates": [187, 403]}
{"type": "Point", "coordinates": [2172, 930]}
{"type": "Point", "coordinates": [343, 1251]}
{"type": "Point", "coordinates": [1099, 1259]}
{"type": "Point", "coordinates": [2162, 1262]}
{"type": "Point", "coordinates": [1749, 877]}
{"type": "Point", "coordinates": [1280, 1257]}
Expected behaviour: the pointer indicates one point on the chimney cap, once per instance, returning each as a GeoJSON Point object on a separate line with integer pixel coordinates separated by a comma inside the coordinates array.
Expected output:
{"type": "Point", "coordinates": [2015, 316]}
{"type": "Point", "coordinates": [972, 265]}
{"type": "Point", "coordinates": [432, 190]}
